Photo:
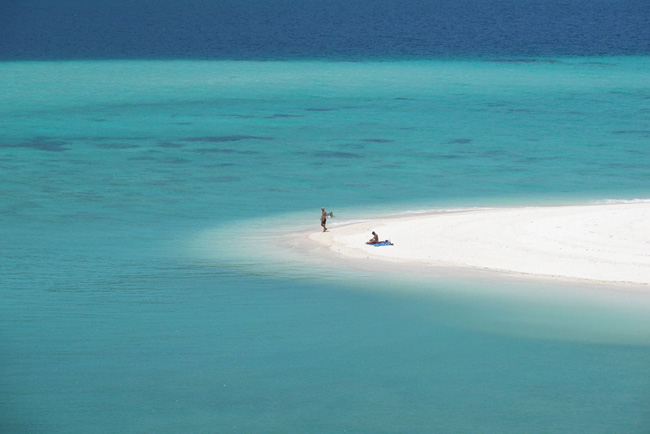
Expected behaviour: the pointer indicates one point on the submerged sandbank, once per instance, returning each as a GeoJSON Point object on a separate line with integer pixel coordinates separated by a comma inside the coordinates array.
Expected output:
{"type": "Point", "coordinates": [601, 242]}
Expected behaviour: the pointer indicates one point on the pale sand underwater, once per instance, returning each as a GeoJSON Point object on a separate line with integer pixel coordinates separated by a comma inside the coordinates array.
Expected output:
{"type": "Point", "coordinates": [600, 242]}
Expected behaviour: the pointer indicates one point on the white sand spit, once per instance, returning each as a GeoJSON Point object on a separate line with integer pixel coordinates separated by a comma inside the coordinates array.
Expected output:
{"type": "Point", "coordinates": [604, 242]}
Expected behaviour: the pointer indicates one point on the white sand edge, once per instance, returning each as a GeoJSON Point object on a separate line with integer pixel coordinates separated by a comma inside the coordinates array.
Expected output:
{"type": "Point", "coordinates": [604, 242]}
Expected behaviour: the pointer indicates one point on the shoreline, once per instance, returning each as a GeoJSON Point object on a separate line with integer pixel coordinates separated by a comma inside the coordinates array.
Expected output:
{"type": "Point", "coordinates": [598, 243]}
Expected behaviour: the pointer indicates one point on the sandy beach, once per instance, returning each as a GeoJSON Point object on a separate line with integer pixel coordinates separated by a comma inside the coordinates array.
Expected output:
{"type": "Point", "coordinates": [602, 242]}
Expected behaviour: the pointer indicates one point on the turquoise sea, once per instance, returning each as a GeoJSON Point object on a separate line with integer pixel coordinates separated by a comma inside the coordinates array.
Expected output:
{"type": "Point", "coordinates": [143, 288]}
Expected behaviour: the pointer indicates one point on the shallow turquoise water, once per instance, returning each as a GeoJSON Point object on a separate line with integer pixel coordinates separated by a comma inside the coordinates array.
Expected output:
{"type": "Point", "coordinates": [133, 300]}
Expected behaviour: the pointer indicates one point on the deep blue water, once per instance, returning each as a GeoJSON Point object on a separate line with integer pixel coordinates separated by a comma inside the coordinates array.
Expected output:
{"type": "Point", "coordinates": [348, 29]}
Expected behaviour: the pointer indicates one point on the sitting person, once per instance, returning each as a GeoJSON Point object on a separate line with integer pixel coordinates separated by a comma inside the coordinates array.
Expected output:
{"type": "Point", "coordinates": [374, 239]}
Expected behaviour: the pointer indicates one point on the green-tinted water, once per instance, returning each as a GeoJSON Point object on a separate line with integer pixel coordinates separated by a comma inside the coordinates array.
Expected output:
{"type": "Point", "coordinates": [126, 306]}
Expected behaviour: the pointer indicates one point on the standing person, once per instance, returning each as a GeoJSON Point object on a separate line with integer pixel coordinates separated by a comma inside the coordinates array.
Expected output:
{"type": "Point", "coordinates": [323, 219]}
